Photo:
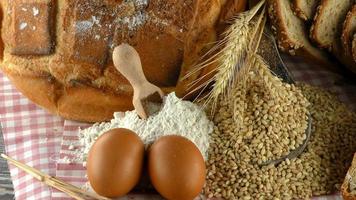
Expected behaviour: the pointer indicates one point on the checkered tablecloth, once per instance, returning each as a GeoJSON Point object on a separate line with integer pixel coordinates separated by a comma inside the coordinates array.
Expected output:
{"type": "Point", "coordinates": [31, 135]}
{"type": "Point", "coordinates": [42, 140]}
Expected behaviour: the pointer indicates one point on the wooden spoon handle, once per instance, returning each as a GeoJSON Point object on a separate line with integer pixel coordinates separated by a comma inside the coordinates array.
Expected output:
{"type": "Point", "coordinates": [128, 62]}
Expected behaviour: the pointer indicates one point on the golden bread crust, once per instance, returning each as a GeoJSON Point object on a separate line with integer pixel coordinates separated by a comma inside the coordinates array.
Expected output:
{"type": "Point", "coordinates": [298, 11]}
{"type": "Point", "coordinates": [71, 69]}
{"type": "Point", "coordinates": [231, 8]}
{"type": "Point", "coordinates": [349, 28]}
{"type": "Point", "coordinates": [79, 102]}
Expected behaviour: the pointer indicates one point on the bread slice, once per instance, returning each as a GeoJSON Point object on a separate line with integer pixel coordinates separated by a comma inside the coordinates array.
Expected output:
{"type": "Point", "coordinates": [346, 60]}
{"type": "Point", "coordinates": [348, 188]}
{"type": "Point", "coordinates": [305, 9]}
{"type": "Point", "coordinates": [349, 28]}
{"type": "Point", "coordinates": [327, 23]}
{"type": "Point", "coordinates": [341, 46]}
{"type": "Point", "coordinates": [291, 31]}
{"type": "Point", "coordinates": [354, 47]}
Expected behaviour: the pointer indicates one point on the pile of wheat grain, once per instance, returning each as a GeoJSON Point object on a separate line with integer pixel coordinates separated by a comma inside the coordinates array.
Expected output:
{"type": "Point", "coordinates": [270, 121]}
{"type": "Point", "coordinates": [272, 116]}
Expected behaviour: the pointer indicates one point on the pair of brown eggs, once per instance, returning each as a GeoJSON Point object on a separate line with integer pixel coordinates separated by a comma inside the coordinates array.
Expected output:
{"type": "Point", "coordinates": [175, 165]}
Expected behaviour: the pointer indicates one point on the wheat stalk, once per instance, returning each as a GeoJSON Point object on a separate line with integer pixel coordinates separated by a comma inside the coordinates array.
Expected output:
{"type": "Point", "coordinates": [253, 47]}
{"type": "Point", "coordinates": [60, 185]}
{"type": "Point", "coordinates": [252, 59]}
{"type": "Point", "coordinates": [231, 56]}
{"type": "Point", "coordinates": [230, 38]}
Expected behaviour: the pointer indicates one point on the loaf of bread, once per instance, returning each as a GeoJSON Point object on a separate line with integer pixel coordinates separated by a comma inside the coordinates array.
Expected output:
{"type": "Point", "coordinates": [327, 23]}
{"type": "Point", "coordinates": [291, 32]}
{"type": "Point", "coordinates": [348, 188]}
{"type": "Point", "coordinates": [58, 52]}
{"type": "Point", "coordinates": [305, 9]}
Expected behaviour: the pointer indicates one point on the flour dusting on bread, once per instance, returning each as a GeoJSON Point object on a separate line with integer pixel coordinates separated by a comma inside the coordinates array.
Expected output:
{"type": "Point", "coordinates": [65, 50]}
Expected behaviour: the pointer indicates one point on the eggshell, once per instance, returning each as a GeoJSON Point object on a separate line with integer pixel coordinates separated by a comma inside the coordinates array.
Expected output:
{"type": "Point", "coordinates": [114, 163]}
{"type": "Point", "coordinates": [176, 168]}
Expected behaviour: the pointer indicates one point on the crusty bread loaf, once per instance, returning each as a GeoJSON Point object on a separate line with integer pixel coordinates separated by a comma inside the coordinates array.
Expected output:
{"type": "Point", "coordinates": [305, 9]}
{"type": "Point", "coordinates": [231, 8]}
{"type": "Point", "coordinates": [348, 30]}
{"type": "Point", "coordinates": [291, 31]}
{"type": "Point", "coordinates": [348, 188]}
{"type": "Point", "coordinates": [327, 23]}
{"type": "Point", "coordinates": [58, 52]}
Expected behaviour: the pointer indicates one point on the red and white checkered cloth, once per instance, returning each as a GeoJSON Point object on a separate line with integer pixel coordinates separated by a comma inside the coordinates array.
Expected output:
{"type": "Point", "coordinates": [42, 140]}
{"type": "Point", "coordinates": [31, 135]}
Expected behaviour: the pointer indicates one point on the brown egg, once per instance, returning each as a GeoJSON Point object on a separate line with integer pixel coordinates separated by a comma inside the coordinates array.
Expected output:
{"type": "Point", "coordinates": [114, 163]}
{"type": "Point", "coordinates": [176, 168]}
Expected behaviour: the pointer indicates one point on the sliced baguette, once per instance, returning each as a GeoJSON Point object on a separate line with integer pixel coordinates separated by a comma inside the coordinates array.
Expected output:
{"type": "Point", "coordinates": [327, 23]}
{"type": "Point", "coordinates": [291, 32]}
{"type": "Point", "coordinates": [349, 28]}
{"type": "Point", "coordinates": [305, 9]}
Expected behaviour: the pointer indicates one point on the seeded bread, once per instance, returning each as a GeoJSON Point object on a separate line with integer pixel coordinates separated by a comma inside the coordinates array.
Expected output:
{"type": "Point", "coordinates": [291, 32]}
{"type": "Point", "coordinates": [349, 28]}
{"type": "Point", "coordinates": [327, 23]}
{"type": "Point", "coordinates": [58, 52]}
{"type": "Point", "coordinates": [348, 188]}
{"type": "Point", "coordinates": [305, 9]}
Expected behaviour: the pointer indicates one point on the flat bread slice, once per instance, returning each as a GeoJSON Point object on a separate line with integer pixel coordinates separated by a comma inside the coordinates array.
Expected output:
{"type": "Point", "coordinates": [348, 189]}
{"type": "Point", "coordinates": [354, 48]}
{"type": "Point", "coordinates": [349, 28]}
{"type": "Point", "coordinates": [305, 9]}
{"type": "Point", "coordinates": [327, 23]}
{"type": "Point", "coordinates": [291, 32]}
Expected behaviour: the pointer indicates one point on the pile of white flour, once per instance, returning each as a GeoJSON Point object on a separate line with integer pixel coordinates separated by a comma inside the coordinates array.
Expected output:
{"type": "Point", "coordinates": [176, 117]}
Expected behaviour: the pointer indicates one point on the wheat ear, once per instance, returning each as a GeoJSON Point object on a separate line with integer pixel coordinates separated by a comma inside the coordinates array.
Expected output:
{"type": "Point", "coordinates": [232, 69]}
{"type": "Point", "coordinates": [231, 56]}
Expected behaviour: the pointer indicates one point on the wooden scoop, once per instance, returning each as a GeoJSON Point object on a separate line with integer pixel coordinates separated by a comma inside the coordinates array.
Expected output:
{"type": "Point", "coordinates": [128, 62]}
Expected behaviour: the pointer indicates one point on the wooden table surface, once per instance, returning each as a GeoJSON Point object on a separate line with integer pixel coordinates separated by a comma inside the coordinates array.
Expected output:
{"type": "Point", "coordinates": [6, 189]}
